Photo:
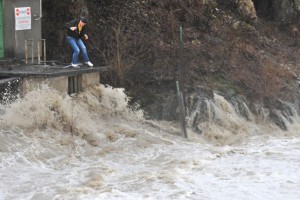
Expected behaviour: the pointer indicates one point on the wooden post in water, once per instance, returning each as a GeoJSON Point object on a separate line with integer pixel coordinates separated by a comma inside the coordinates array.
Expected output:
{"type": "Point", "coordinates": [29, 43]}
{"type": "Point", "coordinates": [180, 85]}
{"type": "Point", "coordinates": [182, 110]}
{"type": "Point", "coordinates": [41, 44]}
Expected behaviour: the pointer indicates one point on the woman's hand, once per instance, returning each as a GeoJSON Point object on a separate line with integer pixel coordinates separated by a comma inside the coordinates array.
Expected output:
{"type": "Point", "coordinates": [73, 28]}
{"type": "Point", "coordinates": [86, 37]}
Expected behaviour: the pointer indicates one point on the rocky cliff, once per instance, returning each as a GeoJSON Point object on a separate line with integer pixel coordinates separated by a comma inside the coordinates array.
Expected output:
{"type": "Point", "coordinates": [242, 49]}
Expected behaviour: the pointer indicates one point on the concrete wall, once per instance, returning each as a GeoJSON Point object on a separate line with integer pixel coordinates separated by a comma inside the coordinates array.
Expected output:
{"type": "Point", "coordinates": [14, 41]}
{"type": "Point", "coordinates": [31, 83]}
{"type": "Point", "coordinates": [90, 79]}
{"type": "Point", "coordinates": [61, 83]}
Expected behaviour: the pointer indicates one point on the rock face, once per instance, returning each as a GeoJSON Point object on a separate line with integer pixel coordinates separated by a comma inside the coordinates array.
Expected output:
{"type": "Point", "coordinates": [285, 9]}
{"type": "Point", "coordinates": [206, 108]}
{"type": "Point", "coordinates": [277, 9]}
{"type": "Point", "coordinates": [280, 10]}
{"type": "Point", "coordinates": [247, 9]}
{"type": "Point", "coordinates": [297, 5]}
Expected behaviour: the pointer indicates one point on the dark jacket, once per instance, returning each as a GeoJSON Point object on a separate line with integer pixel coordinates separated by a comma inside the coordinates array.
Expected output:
{"type": "Point", "coordinates": [75, 34]}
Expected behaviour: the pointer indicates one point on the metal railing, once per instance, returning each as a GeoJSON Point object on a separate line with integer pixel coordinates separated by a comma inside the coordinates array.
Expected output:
{"type": "Point", "coordinates": [29, 43]}
{"type": "Point", "coordinates": [41, 44]}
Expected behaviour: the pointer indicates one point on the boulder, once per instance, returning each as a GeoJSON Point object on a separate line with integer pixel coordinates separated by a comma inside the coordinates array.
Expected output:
{"type": "Point", "coordinates": [247, 9]}
{"type": "Point", "coordinates": [285, 9]}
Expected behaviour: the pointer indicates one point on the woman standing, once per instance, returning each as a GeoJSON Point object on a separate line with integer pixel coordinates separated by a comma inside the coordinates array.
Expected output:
{"type": "Point", "coordinates": [76, 31]}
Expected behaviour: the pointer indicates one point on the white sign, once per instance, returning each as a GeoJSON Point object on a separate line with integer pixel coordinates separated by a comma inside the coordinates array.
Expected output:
{"type": "Point", "coordinates": [23, 18]}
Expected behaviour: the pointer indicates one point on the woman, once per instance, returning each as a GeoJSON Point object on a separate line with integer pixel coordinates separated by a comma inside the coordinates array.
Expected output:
{"type": "Point", "coordinates": [76, 31]}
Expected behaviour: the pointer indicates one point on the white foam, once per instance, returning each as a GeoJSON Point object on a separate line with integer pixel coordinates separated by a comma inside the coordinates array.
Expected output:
{"type": "Point", "coordinates": [131, 159]}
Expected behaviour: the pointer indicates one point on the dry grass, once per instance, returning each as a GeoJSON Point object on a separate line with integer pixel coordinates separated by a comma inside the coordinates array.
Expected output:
{"type": "Point", "coordinates": [140, 39]}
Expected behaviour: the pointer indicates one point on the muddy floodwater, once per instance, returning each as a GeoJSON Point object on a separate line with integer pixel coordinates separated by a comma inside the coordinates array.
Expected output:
{"type": "Point", "coordinates": [93, 146]}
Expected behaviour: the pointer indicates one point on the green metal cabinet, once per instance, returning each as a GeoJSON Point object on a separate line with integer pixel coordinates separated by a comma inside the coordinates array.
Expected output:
{"type": "Point", "coordinates": [1, 31]}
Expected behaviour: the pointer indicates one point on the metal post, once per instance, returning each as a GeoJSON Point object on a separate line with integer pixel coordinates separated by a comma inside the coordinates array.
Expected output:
{"type": "Point", "coordinates": [44, 40]}
{"type": "Point", "coordinates": [182, 111]}
{"type": "Point", "coordinates": [26, 53]}
{"type": "Point", "coordinates": [32, 56]}
{"type": "Point", "coordinates": [181, 67]}
{"type": "Point", "coordinates": [181, 39]}
{"type": "Point", "coordinates": [39, 52]}
{"type": "Point", "coordinates": [29, 43]}
{"type": "Point", "coordinates": [180, 85]}
{"type": "Point", "coordinates": [41, 44]}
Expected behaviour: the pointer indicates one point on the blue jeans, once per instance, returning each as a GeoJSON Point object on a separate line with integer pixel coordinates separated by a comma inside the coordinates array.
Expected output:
{"type": "Point", "coordinates": [77, 46]}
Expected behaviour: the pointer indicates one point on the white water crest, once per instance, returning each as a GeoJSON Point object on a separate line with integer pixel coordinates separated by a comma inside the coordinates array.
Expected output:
{"type": "Point", "coordinates": [93, 146]}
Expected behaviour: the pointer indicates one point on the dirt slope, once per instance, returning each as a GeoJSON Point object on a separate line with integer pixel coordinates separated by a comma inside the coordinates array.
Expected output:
{"type": "Point", "coordinates": [222, 49]}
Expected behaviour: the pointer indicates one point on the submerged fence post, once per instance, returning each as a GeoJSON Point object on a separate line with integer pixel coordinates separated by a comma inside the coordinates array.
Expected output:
{"type": "Point", "coordinates": [180, 85]}
{"type": "Point", "coordinates": [182, 110]}
{"type": "Point", "coordinates": [180, 66]}
{"type": "Point", "coordinates": [29, 43]}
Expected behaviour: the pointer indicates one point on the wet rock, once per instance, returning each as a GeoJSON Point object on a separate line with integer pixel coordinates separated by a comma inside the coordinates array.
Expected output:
{"type": "Point", "coordinates": [247, 9]}
{"type": "Point", "coordinates": [285, 9]}
{"type": "Point", "coordinates": [277, 118]}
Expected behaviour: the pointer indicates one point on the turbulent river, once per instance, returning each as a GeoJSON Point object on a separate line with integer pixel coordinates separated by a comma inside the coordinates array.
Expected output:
{"type": "Point", "coordinates": [93, 146]}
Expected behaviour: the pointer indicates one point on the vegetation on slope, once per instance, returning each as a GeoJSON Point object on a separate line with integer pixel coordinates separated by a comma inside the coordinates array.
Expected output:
{"type": "Point", "coordinates": [223, 50]}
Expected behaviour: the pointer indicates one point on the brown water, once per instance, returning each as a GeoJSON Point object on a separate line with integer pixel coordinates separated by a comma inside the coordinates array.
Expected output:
{"type": "Point", "coordinates": [92, 146]}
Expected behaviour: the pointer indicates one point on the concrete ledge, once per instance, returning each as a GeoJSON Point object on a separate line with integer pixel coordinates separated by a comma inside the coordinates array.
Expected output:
{"type": "Point", "coordinates": [31, 83]}
{"type": "Point", "coordinates": [61, 78]}
{"type": "Point", "coordinates": [7, 80]}
{"type": "Point", "coordinates": [48, 71]}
